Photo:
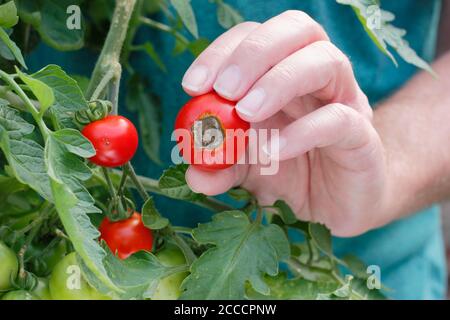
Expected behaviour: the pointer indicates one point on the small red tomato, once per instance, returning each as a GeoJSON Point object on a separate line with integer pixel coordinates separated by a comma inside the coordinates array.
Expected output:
{"type": "Point", "coordinates": [114, 138]}
{"type": "Point", "coordinates": [216, 137]}
{"type": "Point", "coordinates": [126, 237]}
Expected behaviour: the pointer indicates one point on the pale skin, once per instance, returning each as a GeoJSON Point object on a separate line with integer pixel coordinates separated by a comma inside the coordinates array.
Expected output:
{"type": "Point", "coordinates": [340, 163]}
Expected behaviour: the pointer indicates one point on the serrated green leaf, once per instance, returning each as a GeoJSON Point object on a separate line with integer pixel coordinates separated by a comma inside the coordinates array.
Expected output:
{"type": "Point", "coordinates": [82, 233]}
{"type": "Point", "coordinates": [62, 163]}
{"type": "Point", "coordinates": [244, 251]}
{"type": "Point", "coordinates": [8, 15]}
{"type": "Point", "coordinates": [356, 266]}
{"type": "Point", "coordinates": [377, 24]}
{"type": "Point", "coordinates": [137, 276]}
{"type": "Point", "coordinates": [82, 82]}
{"type": "Point", "coordinates": [68, 96]}
{"type": "Point", "coordinates": [43, 93]}
{"type": "Point", "coordinates": [285, 212]}
{"type": "Point", "coordinates": [11, 120]}
{"type": "Point", "coordinates": [73, 203]}
{"type": "Point", "coordinates": [184, 10]}
{"type": "Point", "coordinates": [239, 194]}
{"type": "Point", "coordinates": [151, 217]}
{"type": "Point", "coordinates": [75, 142]}
{"type": "Point", "coordinates": [13, 48]}
{"type": "Point", "coordinates": [283, 288]}
{"type": "Point", "coordinates": [227, 16]}
{"type": "Point", "coordinates": [173, 184]}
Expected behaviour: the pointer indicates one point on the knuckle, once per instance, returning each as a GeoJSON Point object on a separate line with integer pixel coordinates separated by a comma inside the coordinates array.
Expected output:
{"type": "Point", "coordinates": [219, 50]}
{"type": "Point", "coordinates": [347, 117]}
{"type": "Point", "coordinates": [284, 72]}
{"type": "Point", "coordinates": [255, 44]}
{"type": "Point", "coordinates": [335, 56]}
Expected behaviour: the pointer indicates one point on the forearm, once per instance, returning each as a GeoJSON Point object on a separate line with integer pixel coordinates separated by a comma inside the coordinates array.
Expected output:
{"type": "Point", "coordinates": [414, 126]}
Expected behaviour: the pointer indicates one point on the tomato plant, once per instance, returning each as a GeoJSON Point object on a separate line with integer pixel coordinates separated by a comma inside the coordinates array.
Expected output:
{"type": "Point", "coordinates": [127, 236]}
{"type": "Point", "coordinates": [215, 133]}
{"type": "Point", "coordinates": [61, 135]}
{"type": "Point", "coordinates": [8, 266]}
{"type": "Point", "coordinates": [114, 138]}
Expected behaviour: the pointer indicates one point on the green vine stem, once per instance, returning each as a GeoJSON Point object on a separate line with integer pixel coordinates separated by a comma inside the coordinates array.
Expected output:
{"type": "Point", "coordinates": [110, 54]}
{"type": "Point", "coordinates": [165, 28]}
{"type": "Point", "coordinates": [136, 182]}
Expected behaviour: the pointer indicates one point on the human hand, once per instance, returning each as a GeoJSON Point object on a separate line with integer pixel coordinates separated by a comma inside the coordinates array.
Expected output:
{"type": "Point", "coordinates": [286, 74]}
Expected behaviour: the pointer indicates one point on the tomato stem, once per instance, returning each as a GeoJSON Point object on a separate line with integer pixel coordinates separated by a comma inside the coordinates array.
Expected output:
{"type": "Point", "coordinates": [111, 189]}
{"type": "Point", "coordinates": [102, 84]}
{"type": "Point", "coordinates": [137, 183]}
{"type": "Point", "coordinates": [187, 251]}
{"type": "Point", "coordinates": [184, 230]}
{"type": "Point", "coordinates": [110, 54]}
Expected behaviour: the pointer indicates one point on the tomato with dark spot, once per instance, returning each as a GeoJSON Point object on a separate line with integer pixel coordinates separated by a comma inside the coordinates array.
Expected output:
{"type": "Point", "coordinates": [209, 132]}
{"type": "Point", "coordinates": [114, 138]}
{"type": "Point", "coordinates": [126, 237]}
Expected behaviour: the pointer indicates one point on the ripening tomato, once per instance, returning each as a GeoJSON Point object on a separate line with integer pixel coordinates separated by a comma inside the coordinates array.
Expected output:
{"type": "Point", "coordinates": [209, 132]}
{"type": "Point", "coordinates": [127, 236]}
{"type": "Point", "coordinates": [9, 266]}
{"type": "Point", "coordinates": [114, 138]}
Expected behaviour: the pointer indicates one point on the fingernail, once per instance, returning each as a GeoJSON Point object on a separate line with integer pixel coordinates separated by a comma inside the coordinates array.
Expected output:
{"type": "Point", "coordinates": [252, 102]}
{"type": "Point", "coordinates": [228, 81]}
{"type": "Point", "coordinates": [274, 147]}
{"type": "Point", "coordinates": [195, 78]}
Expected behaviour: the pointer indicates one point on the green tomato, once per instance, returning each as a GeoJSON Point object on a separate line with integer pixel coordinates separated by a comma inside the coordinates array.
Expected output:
{"type": "Point", "coordinates": [169, 287]}
{"type": "Point", "coordinates": [8, 266]}
{"type": "Point", "coordinates": [56, 254]}
{"type": "Point", "coordinates": [67, 282]}
{"type": "Point", "coordinates": [42, 290]}
{"type": "Point", "coordinates": [19, 295]}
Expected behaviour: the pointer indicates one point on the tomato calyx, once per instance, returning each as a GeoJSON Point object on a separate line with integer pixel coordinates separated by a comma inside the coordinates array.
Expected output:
{"type": "Point", "coordinates": [97, 110]}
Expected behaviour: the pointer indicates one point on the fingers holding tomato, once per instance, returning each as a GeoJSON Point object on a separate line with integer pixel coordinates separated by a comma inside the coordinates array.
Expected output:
{"type": "Point", "coordinates": [209, 132]}
{"type": "Point", "coordinates": [114, 138]}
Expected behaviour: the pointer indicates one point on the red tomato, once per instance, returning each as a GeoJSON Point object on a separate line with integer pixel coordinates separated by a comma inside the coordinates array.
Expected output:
{"type": "Point", "coordinates": [126, 237]}
{"type": "Point", "coordinates": [214, 149]}
{"type": "Point", "coordinates": [114, 138]}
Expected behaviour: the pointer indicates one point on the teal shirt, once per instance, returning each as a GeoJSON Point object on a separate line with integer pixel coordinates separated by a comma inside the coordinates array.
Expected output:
{"type": "Point", "coordinates": [410, 251]}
